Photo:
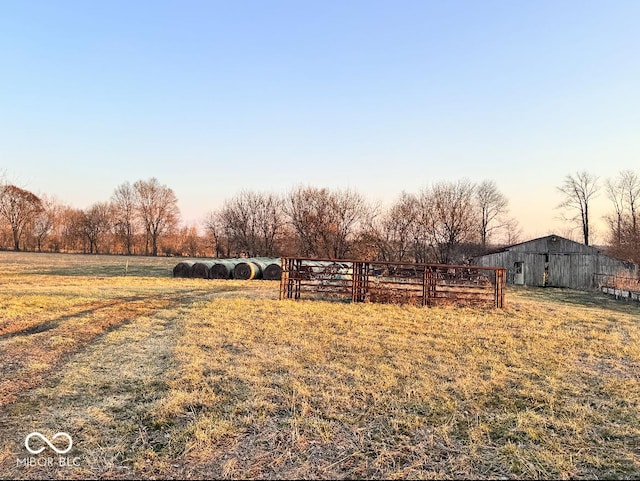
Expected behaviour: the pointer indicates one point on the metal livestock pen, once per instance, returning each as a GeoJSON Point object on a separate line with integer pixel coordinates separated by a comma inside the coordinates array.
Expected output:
{"type": "Point", "coordinates": [392, 282]}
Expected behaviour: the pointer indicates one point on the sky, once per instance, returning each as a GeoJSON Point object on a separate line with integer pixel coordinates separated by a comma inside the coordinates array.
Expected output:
{"type": "Point", "coordinates": [213, 98]}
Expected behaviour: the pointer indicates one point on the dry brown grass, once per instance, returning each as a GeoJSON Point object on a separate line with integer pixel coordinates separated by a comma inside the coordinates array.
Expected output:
{"type": "Point", "coordinates": [164, 378]}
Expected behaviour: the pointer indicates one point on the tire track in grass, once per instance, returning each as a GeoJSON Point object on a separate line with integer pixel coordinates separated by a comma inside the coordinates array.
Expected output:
{"type": "Point", "coordinates": [49, 324]}
{"type": "Point", "coordinates": [103, 397]}
{"type": "Point", "coordinates": [28, 359]}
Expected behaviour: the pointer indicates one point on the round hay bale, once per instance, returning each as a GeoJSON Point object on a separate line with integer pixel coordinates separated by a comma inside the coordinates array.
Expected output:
{"type": "Point", "coordinates": [273, 272]}
{"type": "Point", "coordinates": [261, 264]}
{"type": "Point", "coordinates": [223, 268]}
{"type": "Point", "coordinates": [246, 271]}
{"type": "Point", "coordinates": [183, 269]}
{"type": "Point", "coordinates": [201, 270]}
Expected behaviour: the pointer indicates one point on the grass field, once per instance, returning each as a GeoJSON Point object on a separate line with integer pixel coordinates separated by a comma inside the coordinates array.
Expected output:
{"type": "Point", "coordinates": [155, 377]}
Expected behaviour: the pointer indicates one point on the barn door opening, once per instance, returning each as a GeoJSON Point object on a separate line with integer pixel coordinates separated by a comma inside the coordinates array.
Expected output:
{"type": "Point", "coordinates": [559, 272]}
{"type": "Point", "coordinates": [518, 273]}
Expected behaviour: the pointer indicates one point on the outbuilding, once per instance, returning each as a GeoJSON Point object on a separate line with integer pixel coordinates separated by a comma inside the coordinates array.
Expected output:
{"type": "Point", "coordinates": [555, 262]}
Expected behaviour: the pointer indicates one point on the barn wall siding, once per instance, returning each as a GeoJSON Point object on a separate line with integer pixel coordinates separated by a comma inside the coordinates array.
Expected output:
{"type": "Point", "coordinates": [570, 264]}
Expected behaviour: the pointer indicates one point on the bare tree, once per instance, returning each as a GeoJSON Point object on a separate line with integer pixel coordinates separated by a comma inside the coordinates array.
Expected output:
{"type": "Point", "coordinates": [157, 207]}
{"type": "Point", "coordinates": [367, 242]}
{"type": "Point", "coordinates": [19, 208]}
{"type": "Point", "coordinates": [189, 241]}
{"type": "Point", "coordinates": [252, 221]}
{"type": "Point", "coordinates": [630, 183]}
{"type": "Point", "coordinates": [624, 193]}
{"type": "Point", "coordinates": [615, 192]}
{"type": "Point", "coordinates": [45, 221]}
{"type": "Point", "coordinates": [239, 219]}
{"type": "Point", "coordinates": [449, 218]}
{"type": "Point", "coordinates": [493, 205]}
{"type": "Point", "coordinates": [325, 222]}
{"type": "Point", "coordinates": [348, 210]}
{"type": "Point", "coordinates": [95, 224]}
{"type": "Point", "coordinates": [271, 213]}
{"type": "Point", "coordinates": [216, 234]}
{"type": "Point", "coordinates": [398, 225]}
{"type": "Point", "coordinates": [512, 231]}
{"type": "Point", "coordinates": [70, 229]}
{"type": "Point", "coordinates": [307, 209]}
{"type": "Point", "coordinates": [123, 206]}
{"type": "Point", "coordinates": [578, 191]}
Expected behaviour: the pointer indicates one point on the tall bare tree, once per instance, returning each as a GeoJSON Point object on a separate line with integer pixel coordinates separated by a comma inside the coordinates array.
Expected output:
{"type": "Point", "coordinates": [512, 231]}
{"type": "Point", "coordinates": [189, 241]}
{"type": "Point", "coordinates": [45, 221]}
{"type": "Point", "coordinates": [95, 224]}
{"type": "Point", "coordinates": [19, 208]}
{"type": "Point", "coordinates": [157, 207]}
{"type": "Point", "coordinates": [307, 209]}
{"type": "Point", "coordinates": [449, 218]}
{"type": "Point", "coordinates": [70, 229]}
{"type": "Point", "coordinates": [123, 207]}
{"type": "Point", "coordinates": [578, 190]}
{"type": "Point", "coordinates": [624, 193]}
{"type": "Point", "coordinates": [348, 210]}
{"type": "Point", "coordinates": [397, 229]}
{"type": "Point", "coordinates": [271, 213]}
{"type": "Point", "coordinates": [493, 205]}
{"type": "Point", "coordinates": [615, 193]}
{"type": "Point", "coordinates": [630, 183]}
{"type": "Point", "coordinates": [215, 234]}
{"type": "Point", "coordinates": [252, 221]}
{"type": "Point", "coordinates": [325, 222]}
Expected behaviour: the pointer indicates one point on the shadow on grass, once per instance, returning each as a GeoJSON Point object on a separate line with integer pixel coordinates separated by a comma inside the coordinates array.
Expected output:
{"type": "Point", "coordinates": [53, 323]}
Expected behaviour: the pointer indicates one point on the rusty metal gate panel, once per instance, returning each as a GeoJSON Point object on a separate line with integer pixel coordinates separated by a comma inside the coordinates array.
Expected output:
{"type": "Point", "coordinates": [389, 282]}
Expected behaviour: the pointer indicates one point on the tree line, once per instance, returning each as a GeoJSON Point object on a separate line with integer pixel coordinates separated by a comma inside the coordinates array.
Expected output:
{"type": "Point", "coordinates": [133, 221]}
{"type": "Point", "coordinates": [623, 191]}
{"type": "Point", "coordinates": [447, 222]}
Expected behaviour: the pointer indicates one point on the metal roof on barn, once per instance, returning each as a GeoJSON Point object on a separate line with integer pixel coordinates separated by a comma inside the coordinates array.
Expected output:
{"type": "Point", "coordinates": [551, 243]}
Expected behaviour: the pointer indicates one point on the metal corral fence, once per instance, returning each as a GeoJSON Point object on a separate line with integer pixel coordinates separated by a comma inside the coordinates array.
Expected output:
{"type": "Point", "coordinates": [392, 282]}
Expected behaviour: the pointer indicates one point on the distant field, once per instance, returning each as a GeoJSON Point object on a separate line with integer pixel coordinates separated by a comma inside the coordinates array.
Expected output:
{"type": "Point", "coordinates": [155, 377]}
{"type": "Point", "coordinates": [87, 265]}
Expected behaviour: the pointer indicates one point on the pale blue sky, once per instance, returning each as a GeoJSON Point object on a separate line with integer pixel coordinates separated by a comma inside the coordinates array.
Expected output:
{"type": "Point", "coordinates": [214, 97]}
